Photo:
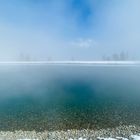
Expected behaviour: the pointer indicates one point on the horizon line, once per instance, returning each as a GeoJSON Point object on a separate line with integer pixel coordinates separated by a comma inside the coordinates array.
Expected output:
{"type": "Point", "coordinates": [74, 62]}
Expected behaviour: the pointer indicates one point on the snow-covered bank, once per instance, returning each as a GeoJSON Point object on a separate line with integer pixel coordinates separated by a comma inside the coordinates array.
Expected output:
{"type": "Point", "coordinates": [119, 133]}
{"type": "Point", "coordinates": [132, 137]}
{"type": "Point", "coordinates": [73, 62]}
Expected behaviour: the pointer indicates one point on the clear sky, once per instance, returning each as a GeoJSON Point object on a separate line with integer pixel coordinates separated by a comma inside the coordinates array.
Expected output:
{"type": "Point", "coordinates": [65, 29]}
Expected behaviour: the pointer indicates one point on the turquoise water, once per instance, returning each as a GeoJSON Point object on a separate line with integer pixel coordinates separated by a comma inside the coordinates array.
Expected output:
{"type": "Point", "coordinates": [43, 97]}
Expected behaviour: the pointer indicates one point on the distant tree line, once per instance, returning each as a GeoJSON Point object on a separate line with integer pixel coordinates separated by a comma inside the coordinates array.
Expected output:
{"type": "Point", "coordinates": [28, 57]}
{"type": "Point", "coordinates": [24, 57]}
{"type": "Point", "coordinates": [122, 56]}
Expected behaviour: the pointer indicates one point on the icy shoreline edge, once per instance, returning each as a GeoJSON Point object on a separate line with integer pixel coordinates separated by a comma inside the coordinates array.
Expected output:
{"type": "Point", "coordinates": [72, 62]}
{"type": "Point", "coordinates": [121, 132]}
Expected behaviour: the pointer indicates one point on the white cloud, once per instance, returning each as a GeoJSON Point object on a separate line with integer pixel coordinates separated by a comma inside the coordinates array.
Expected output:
{"type": "Point", "coordinates": [84, 43]}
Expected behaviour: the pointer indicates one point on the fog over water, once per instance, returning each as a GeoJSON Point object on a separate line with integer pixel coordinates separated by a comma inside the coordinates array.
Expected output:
{"type": "Point", "coordinates": [63, 97]}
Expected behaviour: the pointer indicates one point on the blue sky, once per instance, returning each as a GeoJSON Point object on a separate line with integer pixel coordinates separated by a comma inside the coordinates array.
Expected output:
{"type": "Point", "coordinates": [65, 29]}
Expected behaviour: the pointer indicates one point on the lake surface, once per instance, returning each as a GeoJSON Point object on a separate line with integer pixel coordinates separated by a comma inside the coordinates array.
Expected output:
{"type": "Point", "coordinates": [52, 97]}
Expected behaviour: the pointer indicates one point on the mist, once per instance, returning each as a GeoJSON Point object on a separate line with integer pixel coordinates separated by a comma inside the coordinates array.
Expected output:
{"type": "Point", "coordinates": [61, 81]}
{"type": "Point", "coordinates": [79, 30]}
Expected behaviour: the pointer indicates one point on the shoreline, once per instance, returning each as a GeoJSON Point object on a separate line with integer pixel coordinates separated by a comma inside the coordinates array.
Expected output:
{"type": "Point", "coordinates": [120, 133]}
{"type": "Point", "coordinates": [95, 62]}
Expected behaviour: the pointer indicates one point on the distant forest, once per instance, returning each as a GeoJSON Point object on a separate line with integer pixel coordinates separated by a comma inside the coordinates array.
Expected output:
{"type": "Point", "coordinates": [122, 56]}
